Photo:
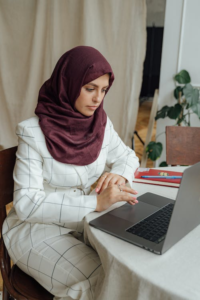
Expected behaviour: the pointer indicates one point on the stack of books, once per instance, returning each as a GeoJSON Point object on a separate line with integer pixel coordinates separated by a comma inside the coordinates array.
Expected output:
{"type": "Point", "coordinates": [158, 177]}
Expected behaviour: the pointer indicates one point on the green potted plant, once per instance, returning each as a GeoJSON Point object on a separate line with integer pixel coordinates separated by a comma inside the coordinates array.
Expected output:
{"type": "Point", "coordinates": [187, 103]}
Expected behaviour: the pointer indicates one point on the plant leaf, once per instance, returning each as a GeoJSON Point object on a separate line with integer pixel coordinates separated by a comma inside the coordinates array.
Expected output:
{"type": "Point", "coordinates": [191, 95]}
{"type": "Point", "coordinates": [196, 109]}
{"type": "Point", "coordinates": [163, 164]}
{"type": "Point", "coordinates": [162, 113]}
{"type": "Point", "coordinates": [182, 77]}
{"type": "Point", "coordinates": [177, 90]}
{"type": "Point", "coordinates": [154, 150]}
{"type": "Point", "coordinates": [174, 111]}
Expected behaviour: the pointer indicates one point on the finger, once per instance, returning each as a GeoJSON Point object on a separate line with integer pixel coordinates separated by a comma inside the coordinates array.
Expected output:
{"type": "Point", "coordinates": [113, 180]}
{"type": "Point", "coordinates": [126, 190]}
{"type": "Point", "coordinates": [120, 181]}
{"type": "Point", "coordinates": [117, 179]}
{"type": "Point", "coordinates": [131, 202]}
{"type": "Point", "coordinates": [106, 183]}
{"type": "Point", "coordinates": [129, 190]}
{"type": "Point", "coordinates": [126, 197]}
{"type": "Point", "coordinates": [100, 182]}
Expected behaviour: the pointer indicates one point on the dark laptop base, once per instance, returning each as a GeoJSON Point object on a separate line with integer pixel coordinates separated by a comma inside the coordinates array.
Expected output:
{"type": "Point", "coordinates": [117, 221]}
{"type": "Point", "coordinates": [184, 218]}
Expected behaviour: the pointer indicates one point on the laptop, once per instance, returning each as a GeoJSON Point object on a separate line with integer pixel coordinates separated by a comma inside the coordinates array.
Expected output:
{"type": "Point", "coordinates": [156, 223]}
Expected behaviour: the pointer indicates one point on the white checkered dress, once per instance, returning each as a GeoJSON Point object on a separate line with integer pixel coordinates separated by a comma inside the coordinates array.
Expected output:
{"type": "Point", "coordinates": [50, 201]}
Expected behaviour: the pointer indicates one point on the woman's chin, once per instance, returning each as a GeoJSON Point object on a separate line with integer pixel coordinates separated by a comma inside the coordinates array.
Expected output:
{"type": "Point", "coordinates": [87, 113]}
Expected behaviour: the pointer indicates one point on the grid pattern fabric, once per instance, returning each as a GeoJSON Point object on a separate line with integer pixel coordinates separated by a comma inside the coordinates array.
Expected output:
{"type": "Point", "coordinates": [51, 199]}
{"type": "Point", "coordinates": [64, 266]}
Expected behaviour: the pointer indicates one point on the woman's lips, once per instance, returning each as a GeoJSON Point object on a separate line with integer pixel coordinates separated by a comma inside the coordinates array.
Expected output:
{"type": "Point", "coordinates": [92, 107]}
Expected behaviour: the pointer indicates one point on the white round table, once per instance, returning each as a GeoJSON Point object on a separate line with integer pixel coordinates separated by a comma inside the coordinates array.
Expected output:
{"type": "Point", "coordinates": [129, 272]}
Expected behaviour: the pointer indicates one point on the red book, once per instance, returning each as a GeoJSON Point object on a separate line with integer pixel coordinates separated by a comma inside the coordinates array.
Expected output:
{"type": "Point", "coordinates": [158, 181]}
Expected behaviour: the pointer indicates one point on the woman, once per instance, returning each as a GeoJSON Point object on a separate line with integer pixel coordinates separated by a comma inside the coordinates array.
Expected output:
{"type": "Point", "coordinates": [61, 153]}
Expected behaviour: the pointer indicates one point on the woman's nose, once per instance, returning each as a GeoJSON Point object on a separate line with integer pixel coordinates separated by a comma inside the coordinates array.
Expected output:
{"type": "Point", "coordinates": [97, 96]}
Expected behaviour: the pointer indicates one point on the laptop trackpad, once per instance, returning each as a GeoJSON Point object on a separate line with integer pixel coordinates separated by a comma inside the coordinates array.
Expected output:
{"type": "Point", "coordinates": [134, 213]}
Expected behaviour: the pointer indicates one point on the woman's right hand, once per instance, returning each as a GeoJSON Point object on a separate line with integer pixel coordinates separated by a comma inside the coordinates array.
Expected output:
{"type": "Point", "coordinates": [115, 193]}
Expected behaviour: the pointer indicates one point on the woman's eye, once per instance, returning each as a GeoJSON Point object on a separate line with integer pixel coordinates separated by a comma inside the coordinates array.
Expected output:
{"type": "Point", "coordinates": [104, 91]}
{"type": "Point", "coordinates": [89, 90]}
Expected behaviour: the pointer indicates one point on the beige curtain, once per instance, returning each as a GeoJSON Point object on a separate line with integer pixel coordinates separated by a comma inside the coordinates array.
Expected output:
{"type": "Point", "coordinates": [35, 33]}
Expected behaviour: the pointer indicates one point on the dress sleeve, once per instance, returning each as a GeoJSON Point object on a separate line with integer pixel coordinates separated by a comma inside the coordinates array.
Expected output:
{"type": "Point", "coordinates": [121, 159]}
{"type": "Point", "coordinates": [32, 204]}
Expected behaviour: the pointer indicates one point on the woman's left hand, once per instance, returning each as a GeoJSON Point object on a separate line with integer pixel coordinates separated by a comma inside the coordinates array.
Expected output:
{"type": "Point", "coordinates": [108, 179]}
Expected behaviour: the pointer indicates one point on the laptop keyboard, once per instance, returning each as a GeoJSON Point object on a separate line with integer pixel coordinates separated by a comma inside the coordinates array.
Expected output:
{"type": "Point", "coordinates": [154, 227]}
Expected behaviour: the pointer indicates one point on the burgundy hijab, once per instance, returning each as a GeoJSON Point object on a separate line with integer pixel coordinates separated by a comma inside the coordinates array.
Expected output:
{"type": "Point", "coordinates": [70, 136]}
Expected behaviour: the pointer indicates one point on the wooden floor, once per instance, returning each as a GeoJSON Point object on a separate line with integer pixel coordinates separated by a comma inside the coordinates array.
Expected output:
{"type": "Point", "coordinates": [141, 128]}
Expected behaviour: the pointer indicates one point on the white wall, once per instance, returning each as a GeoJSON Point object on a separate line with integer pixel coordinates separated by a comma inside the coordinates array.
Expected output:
{"type": "Point", "coordinates": [155, 12]}
{"type": "Point", "coordinates": [181, 50]}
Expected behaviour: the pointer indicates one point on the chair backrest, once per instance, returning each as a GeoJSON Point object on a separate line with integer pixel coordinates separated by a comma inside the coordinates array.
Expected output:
{"type": "Point", "coordinates": [182, 145]}
{"type": "Point", "coordinates": [7, 162]}
{"type": "Point", "coordinates": [15, 283]}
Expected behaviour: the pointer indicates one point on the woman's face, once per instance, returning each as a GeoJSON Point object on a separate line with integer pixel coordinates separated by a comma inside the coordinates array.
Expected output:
{"type": "Point", "coordinates": [91, 95]}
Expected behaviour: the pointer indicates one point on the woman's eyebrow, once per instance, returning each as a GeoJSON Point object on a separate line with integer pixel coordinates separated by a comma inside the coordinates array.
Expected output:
{"type": "Point", "coordinates": [93, 84]}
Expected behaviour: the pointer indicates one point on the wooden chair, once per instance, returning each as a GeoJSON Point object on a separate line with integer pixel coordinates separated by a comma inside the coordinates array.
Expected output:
{"type": "Point", "coordinates": [16, 284]}
{"type": "Point", "coordinates": [182, 145]}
